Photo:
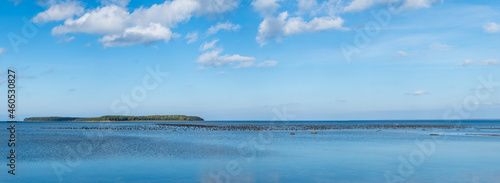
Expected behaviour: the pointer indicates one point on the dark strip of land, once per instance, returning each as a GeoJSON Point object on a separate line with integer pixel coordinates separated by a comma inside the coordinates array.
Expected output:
{"type": "Point", "coordinates": [119, 118]}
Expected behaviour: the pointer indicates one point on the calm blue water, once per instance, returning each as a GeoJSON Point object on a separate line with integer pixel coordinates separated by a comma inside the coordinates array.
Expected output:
{"type": "Point", "coordinates": [136, 154]}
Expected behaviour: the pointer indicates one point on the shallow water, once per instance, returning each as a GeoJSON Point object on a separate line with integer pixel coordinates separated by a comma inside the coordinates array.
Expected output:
{"type": "Point", "coordinates": [49, 152]}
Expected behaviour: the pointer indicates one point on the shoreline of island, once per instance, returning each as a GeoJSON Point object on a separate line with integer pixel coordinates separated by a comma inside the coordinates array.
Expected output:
{"type": "Point", "coordinates": [116, 118]}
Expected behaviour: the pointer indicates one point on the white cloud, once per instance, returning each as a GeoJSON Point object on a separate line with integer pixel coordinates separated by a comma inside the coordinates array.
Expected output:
{"type": "Point", "coordinates": [492, 27]}
{"type": "Point", "coordinates": [2, 51]}
{"type": "Point", "coordinates": [121, 3]}
{"type": "Point", "coordinates": [245, 64]}
{"type": "Point", "coordinates": [66, 39]}
{"type": "Point", "coordinates": [440, 47]}
{"type": "Point", "coordinates": [169, 13]}
{"type": "Point", "coordinates": [120, 27]}
{"type": "Point", "coordinates": [265, 7]}
{"type": "Point", "coordinates": [490, 62]}
{"type": "Point", "coordinates": [359, 5]}
{"type": "Point", "coordinates": [276, 28]}
{"type": "Point", "coordinates": [402, 53]}
{"type": "Point", "coordinates": [416, 4]}
{"type": "Point", "coordinates": [61, 11]}
{"type": "Point", "coordinates": [209, 45]}
{"type": "Point", "coordinates": [105, 20]}
{"type": "Point", "coordinates": [418, 92]}
{"type": "Point", "coordinates": [465, 63]}
{"type": "Point", "coordinates": [268, 63]}
{"type": "Point", "coordinates": [213, 58]}
{"type": "Point", "coordinates": [306, 5]}
{"type": "Point", "coordinates": [193, 37]}
{"type": "Point", "coordinates": [211, 7]}
{"type": "Point", "coordinates": [138, 35]}
{"type": "Point", "coordinates": [227, 26]}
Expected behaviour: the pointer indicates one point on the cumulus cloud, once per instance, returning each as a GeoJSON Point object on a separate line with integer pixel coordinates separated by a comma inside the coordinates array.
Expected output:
{"type": "Point", "coordinates": [102, 20]}
{"type": "Point", "coordinates": [122, 3]}
{"type": "Point", "coordinates": [325, 15]}
{"type": "Point", "coordinates": [277, 27]}
{"type": "Point", "coordinates": [492, 27]}
{"type": "Point", "coordinates": [138, 35]}
{"type": "Point", "coordinates": [143, 25]}
{"type": "Point", "coordinates": [66, 39]}
{"type": "Point", "coordinates": [245, 64]}
{"type": "Point", "coordinates": [227, 26]}
{"type": "Point", "coordinates": [60, 11]}
{"type": "Point", "coordinates": [192, 37]}
{"type": "Point", "coordinates": [268, 63]}
{"type": "Point", "coordinates": [306, 5]}
{"type": "Point", "coordinates": [490, 62]}
{"type": "Point", "coordinates": [211, 7]}
{"type": "Point", "coordinates": [266, 7]}
{"type": "Point", "coordinates": [359, 5]}
{"type": "Point", "coordinates": [213, 58]}
{"type": "Point", "coordinates": [208, 45]}
{"type": "Point", "coordinates": [418, 92]}
{"type": "Point", "coordinates": [416, 4]}
{"type": "Point", "coordinates": [465, 63]}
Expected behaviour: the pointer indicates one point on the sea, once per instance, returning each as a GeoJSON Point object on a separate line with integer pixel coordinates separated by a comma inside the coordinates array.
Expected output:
{"type": "Point", "coordinates": [252, 151]}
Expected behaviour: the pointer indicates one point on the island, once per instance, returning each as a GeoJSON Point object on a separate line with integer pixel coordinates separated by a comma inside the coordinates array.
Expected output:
{"type": "Point", "coordinates": [117, 118]}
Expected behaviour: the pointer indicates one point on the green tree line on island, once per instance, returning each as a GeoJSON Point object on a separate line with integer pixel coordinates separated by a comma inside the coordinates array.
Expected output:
{"type": "Point", "coordinates": [120, 118]}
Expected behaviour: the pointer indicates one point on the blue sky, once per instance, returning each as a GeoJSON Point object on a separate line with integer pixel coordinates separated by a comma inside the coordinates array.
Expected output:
{"type": "Point", "coordinates": [243, 60]}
